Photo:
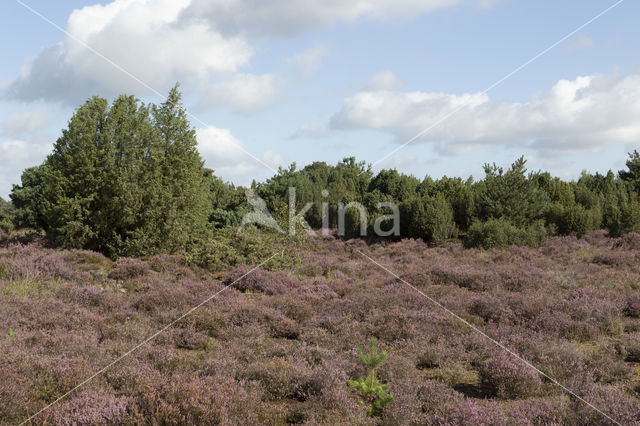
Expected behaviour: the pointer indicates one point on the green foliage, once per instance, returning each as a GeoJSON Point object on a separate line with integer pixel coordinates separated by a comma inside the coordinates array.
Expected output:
{"type": "Point", "coordinates": [373, 392]}
{"type": "Point", "coordinates": [430, 218]}
{"type": "Point", "coordinates": [27, 199]}
{"type": "Point", "coordinates": [460, 196]}
{"type": "Point", "coordinates": [216, 249]}
{"type": "Point", "coordinates": [622, 216]}
{"type": "Point", "coordinates": [209, 343]}
{"type": "Point", "coordinates": [127, 179]}
{"type": "Point", "coordinates": [573, 219]}
{"type": "Point", "coordinates": [317, 183]}
{"type": "Point", "coordinates": [124, 180]}
{"type": "Point", "coordinates": [632, 175]}
{"type": "Point", "coordinates": [7, 213]}
{"type": "Point", "coordinates": [391, 183]}
{"type": "Point", "coordinates": [228, 203]}
{"type": "Point", "coordinates": [496, 233]}
{"type": "Point", "coordinates": [511, 195]}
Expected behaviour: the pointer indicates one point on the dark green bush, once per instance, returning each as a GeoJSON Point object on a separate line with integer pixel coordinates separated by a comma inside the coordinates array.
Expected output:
{"type": "Point", "coordinates": [429, 218]}
{"type": "Point", "coordinates": [496, 233]}
{"type": "Point", "coordinates": [124, 179]}
{"type": "Point", "coordinates": [573, 219]}
{"type": "Point", "coordinates": [6, 216]}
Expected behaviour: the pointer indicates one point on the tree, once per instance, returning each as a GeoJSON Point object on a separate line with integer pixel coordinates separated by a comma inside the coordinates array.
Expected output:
{"type": "Point", "coordinates": [72, 177]}
{"type": "Point", "coordinates": [228, 203]}
{"type": "Point", "coordinates": [27, 198]}
{"type": "Point", "coordinates": [511, 195]}
{"type": "Point", "coordinates": [632, 175]}
{"type": "Point", "coordinates": [374, 392]}
{"type": "Point", "coordinates": [398, 186]}
{"type": "Point", "coordinates": [460, 196]}
{"type": "Point", "coordinates": [6, 215]}
{"type": "Point", "coordinates": [124, 179]}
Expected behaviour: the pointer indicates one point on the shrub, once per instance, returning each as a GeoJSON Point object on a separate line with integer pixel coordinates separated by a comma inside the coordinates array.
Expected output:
{"type": "Point", "coordinates": [260, 281]}
{"type": "Point", "coordinates": [496, 233]}
{"type": "Point", "coordinates": [217, 249]}
{"type": "Point", "coordinates": [632, 305]}
{"type": "Point", "coordinates": [629, 241]}
{"type": "Point", "coordinates": [506, 377]}
{"type": "Point", "coordinates": [429, 218]}
{"type": "Point", "coordinates": [574, 219]}
{"type": "Point", "coordinates": [6, 215]}
{"type": "Point", "coordinates": [283, 379]}
{"type": "Point", "coordinates": [126, 269]}
{"type": "Point", "coordinates": [629, 348]}
{"type": "Point", "coordinates": [31, 261]}
{"type": "Point", "coordinates": [92, 407]}
{"type": "Point", "coordinates": [489, 308]}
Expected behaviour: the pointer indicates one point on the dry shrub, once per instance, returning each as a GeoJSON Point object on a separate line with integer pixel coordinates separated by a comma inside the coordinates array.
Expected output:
{"type": "Point", "coordinates": [506, 377]}
{"type": "Point", "coordinates": [127, 269]}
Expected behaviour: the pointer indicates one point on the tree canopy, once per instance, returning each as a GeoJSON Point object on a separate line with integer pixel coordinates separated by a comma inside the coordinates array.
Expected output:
{"type": "Point", "coordinates": [123, 179]}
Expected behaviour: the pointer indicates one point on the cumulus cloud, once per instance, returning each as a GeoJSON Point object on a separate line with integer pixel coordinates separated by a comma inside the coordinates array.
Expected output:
{"type": "Point", "coordinates": [226, 154]}
{"type": "Point", "coordinates": [25, 141]}
{"type": "Point", "coordinates": [16, 154]}
{"type": "Point", "coordinates": [192, 41]}
{"type": "Point", "coordinates": [140, 36]}
{"type": "Point", "coordinates": [21, 123]}
{"type": "Point", "coordinates": [584, 114]}
{"type": "Point", "coordinates": [243, 93]}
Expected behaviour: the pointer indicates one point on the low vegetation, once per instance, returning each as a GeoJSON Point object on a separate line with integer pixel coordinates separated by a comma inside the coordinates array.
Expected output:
{"type": "Point", "coordinates": [280, 345]}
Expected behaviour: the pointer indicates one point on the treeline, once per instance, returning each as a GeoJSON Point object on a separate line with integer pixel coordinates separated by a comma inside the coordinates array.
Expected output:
{"type": "Point", "coordinates": [127, 179]}
{"type": "Point", "coordinates": [506, 207]}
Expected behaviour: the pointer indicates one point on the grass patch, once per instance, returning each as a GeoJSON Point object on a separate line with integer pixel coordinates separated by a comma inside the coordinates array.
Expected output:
{"type": "Point", "coordinates": [21, 288]}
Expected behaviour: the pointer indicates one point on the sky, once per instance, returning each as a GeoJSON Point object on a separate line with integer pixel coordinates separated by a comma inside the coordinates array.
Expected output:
{"type": "Point", "coordinates": [270, 82]}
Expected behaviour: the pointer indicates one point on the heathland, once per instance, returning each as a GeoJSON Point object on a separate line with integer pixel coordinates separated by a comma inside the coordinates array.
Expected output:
{"type": "Point", "coordinates": [279, 345]}
{"type": "Point", "coordinates": [136, 286]}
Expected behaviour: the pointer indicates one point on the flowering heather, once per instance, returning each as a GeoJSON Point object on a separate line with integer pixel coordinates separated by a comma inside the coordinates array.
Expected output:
{"type": "Point", "coordinates": [279, 346]}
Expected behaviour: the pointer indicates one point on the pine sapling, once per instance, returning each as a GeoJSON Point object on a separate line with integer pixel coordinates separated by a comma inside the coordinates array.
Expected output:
{"type": "Point", "coordinates": [373, 392]}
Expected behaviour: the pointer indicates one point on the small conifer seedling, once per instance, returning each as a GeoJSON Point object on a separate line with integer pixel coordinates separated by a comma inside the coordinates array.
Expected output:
{"type": "Point", "coordinates": [372, 391]}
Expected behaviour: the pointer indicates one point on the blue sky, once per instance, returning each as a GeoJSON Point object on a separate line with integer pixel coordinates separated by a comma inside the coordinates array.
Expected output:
{"type": "Point", "coordinates": [321, 80]}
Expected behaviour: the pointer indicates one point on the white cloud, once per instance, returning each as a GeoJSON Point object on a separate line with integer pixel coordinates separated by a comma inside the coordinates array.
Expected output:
{"type": "Point", "coordinates": [141, 36]}
{"type": "Point", "coordinates": [164, 41]}
{"type": "Point", "coordinates": [582, 42]}
{"type": "Point", "coordinates": [14, 151]}
{"type": "Point", "coordinates": [308, 61]}
{"type": "Point", "coordinates": [191, 41]}
{"type": "Point", "coordinates": [18, 154]}
{"type": "Point", "coordinates": [21, 123]}
{"type": "Point", "coordinates": [25, 141]}
{"type": "Point", "coordinates": [244, 93]}
{"type": "Point", "coordinates": [585, 114]}
{"type": "Point", "coordinates": [217, 144]}
{"type": "Point", "coordinates": [226, 154]}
